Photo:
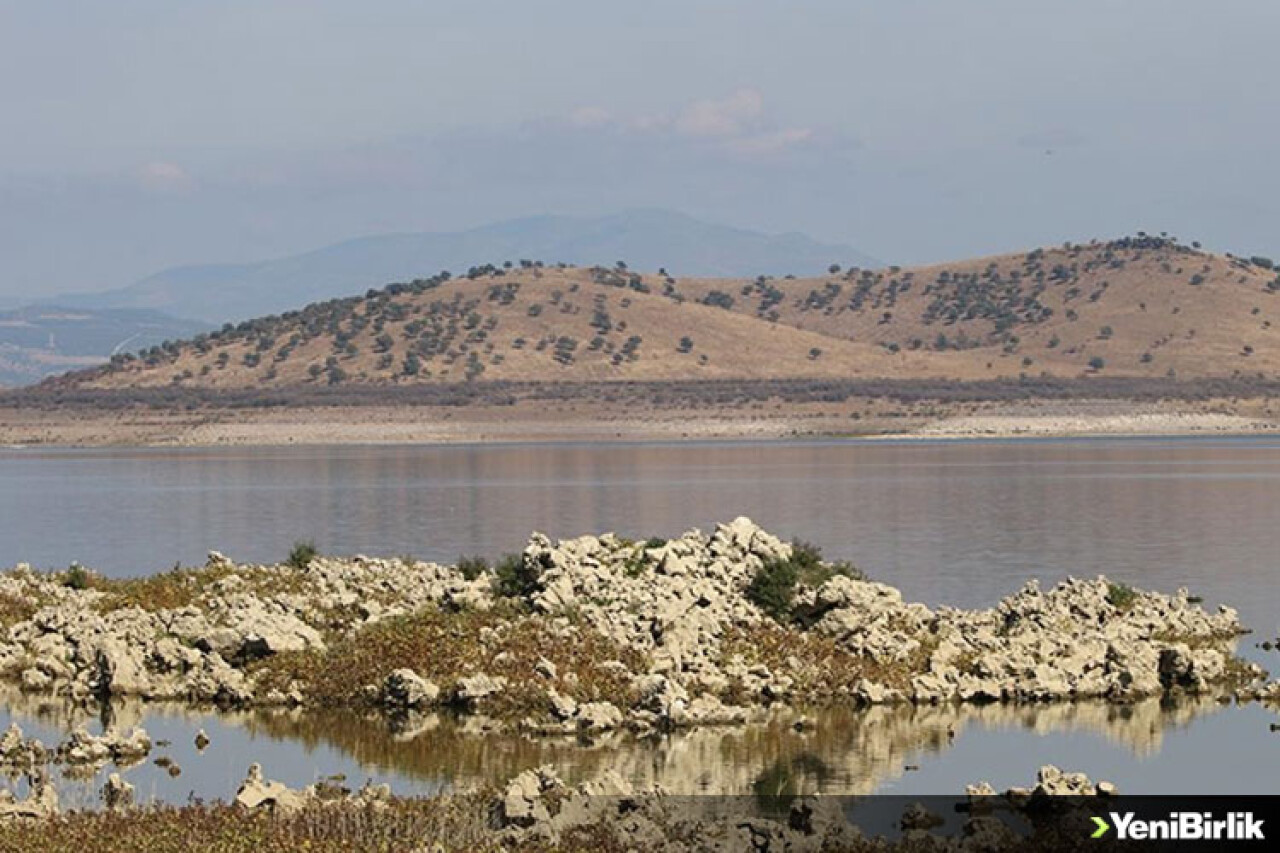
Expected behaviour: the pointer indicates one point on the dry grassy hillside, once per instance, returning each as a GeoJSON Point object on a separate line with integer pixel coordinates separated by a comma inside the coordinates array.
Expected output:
{"type": "Point", "coordinates": [1135, 307]}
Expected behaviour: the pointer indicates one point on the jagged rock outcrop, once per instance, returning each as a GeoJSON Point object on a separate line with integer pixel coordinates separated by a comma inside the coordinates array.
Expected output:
{"type": "Point", "coordinates": [672, 605]}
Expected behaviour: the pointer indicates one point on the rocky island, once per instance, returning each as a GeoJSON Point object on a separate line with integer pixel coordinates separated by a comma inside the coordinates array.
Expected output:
{"type": "Point", "coordinates": [596, 632]}
{"type": "Point", "coordinates": [581, 636]}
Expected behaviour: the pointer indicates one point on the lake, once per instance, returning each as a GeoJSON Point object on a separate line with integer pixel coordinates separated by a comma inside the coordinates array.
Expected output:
{"type": "Point", "coordinates": [960, 523]}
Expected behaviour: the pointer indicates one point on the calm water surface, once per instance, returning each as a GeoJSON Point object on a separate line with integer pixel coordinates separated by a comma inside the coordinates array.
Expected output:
{"type": "Point", "coordinates": [957, 523]}
{"type": "Point", "coordinates": [949, 523]}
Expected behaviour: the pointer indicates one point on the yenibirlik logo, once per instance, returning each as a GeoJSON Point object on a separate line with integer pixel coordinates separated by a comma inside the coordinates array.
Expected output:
{"type": "Point", "coordinates": [1181, 826]}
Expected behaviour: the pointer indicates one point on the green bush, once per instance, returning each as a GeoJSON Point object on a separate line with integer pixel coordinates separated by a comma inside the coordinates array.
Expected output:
{"type": "Point", "coordinates": [1121, 596]}
{"type": "Point", "coordinates": [516, 576]}
{"type": "Point", "coordinates": [773, 588]}
{"type": "Point", "coordinates": [302, 554]}
{"type": "Point", "coordinates": [813, 570]}
{"type": "Point", "coordinates": [77, 577]}
{"type": "Point", "coordinates": [472, 567]}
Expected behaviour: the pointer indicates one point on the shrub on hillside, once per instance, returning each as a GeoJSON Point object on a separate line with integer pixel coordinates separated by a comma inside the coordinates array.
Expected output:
{"type": "Point", "coordinates": [773, 589]}
{"type": "Point", "coordinates": [302, 554]}
{"type": "Point", "coordinates": [517, 577]}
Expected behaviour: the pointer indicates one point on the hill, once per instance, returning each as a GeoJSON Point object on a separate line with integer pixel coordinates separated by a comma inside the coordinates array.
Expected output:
{"type": "Point", "coordinates": [1139, 307]}
{"type": "Point", "coordinates": [36, 342]}
{"type": "Point", "coordinates": [649, 239]}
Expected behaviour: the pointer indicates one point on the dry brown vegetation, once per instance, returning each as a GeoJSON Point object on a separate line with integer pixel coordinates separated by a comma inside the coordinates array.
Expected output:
{"type": "Point", "coordinates": [15, 609]}
{"type": "Point", "coordinates": [456, 823]}
{"type": "Point", "coordinates": [1143, 307]}
{"type": "Point", "coordinates": [830, 672]}
{"type": "Point", "coordinates": [446, 646]}
{"type": "Point", "coordinates": [181, 586]}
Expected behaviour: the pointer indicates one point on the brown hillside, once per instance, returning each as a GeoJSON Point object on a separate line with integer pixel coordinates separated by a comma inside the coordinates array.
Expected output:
{"type": "Point", "coordinates": [1134, 307]}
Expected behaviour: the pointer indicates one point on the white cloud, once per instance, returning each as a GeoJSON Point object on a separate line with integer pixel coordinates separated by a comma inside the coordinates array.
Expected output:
{"type": "Point", "coordinates": [727, 117]}
{"type": "Point", "coordinates": [738, 123]}
{"type": "Point", "coordinates": [165, 177]}
{"type": "Point", "coordinates": [771, 142]}
{"type": "Point", "coordinates": [590, 117]}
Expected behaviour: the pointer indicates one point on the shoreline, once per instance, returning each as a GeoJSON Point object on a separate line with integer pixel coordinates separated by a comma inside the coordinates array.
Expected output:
{"type": "Point", "coordinates": [527, 423]}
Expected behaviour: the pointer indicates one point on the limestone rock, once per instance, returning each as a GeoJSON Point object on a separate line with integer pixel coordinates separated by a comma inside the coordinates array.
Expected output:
{"type": "Point", "coordinates": [117, 793]}
{"type": "Point", "coordinates": [522, 801]}
{"type": "Point", "coordinates": [404, 689]}
{"type": "Point", "coordinates": [475, 688]}
{"type": "Point", "coordinates": [598, 716]}
{"type": "Point", "coordinates": [256, 792]}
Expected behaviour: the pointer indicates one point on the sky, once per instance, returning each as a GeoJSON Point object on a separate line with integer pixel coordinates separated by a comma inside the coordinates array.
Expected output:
{"type": "Point", "coordinates": [141, 134]}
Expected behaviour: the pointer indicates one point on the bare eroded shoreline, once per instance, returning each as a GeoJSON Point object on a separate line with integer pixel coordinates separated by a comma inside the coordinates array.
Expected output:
{"type": "Point", "coordinates": [601, 422]}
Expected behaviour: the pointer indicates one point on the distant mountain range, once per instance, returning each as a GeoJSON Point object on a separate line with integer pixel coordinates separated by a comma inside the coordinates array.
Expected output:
{"type": "Point", "coordinates": [644, 239]}
{"type": "Point", "coordinates": [39, 341]}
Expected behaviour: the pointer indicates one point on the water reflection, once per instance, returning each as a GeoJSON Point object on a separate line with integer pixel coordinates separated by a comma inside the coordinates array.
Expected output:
{"type": "Point", "coordinates": [840, 752]}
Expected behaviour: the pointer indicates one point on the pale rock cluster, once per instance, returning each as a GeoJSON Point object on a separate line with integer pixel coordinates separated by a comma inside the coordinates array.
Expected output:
{"type": "Point", "coordinates": [673, 603]}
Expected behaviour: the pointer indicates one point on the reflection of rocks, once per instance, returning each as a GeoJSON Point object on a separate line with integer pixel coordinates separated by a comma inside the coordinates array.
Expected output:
{"type": "Point", "coordinates": [40, 804]}
{"type": "Point", "coordinates": [849, 752]}
{"type": "Point", "coordinates": [833, 752]}
{"type": "Point", "coordinates": [17, 753]}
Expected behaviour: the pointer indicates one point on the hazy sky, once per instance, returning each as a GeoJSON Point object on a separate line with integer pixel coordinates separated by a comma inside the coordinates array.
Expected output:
{"type": "Point", "coordinates": [138, 134]}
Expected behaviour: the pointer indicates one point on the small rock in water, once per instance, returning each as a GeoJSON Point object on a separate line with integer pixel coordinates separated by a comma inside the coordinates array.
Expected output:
{"type": "Point", "coordinates": [916, 816]}
{"type": "Point", "coordinates": [175, 770]}
{"type": "Point", "coordinates": [202, 740]}
{"type": "Point", "coordinates": [117, 793]}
